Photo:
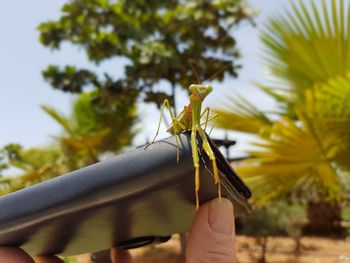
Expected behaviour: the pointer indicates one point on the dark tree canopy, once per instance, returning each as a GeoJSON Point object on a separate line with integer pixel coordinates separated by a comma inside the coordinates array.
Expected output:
{"type": "Point", "coordinates": [157, 37]}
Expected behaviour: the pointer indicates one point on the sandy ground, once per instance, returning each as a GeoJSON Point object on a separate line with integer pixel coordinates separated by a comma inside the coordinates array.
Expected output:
{"type": "Point", "coordinates": [315, 250]}
{"type": "Point", "coordinates": [281, 249]}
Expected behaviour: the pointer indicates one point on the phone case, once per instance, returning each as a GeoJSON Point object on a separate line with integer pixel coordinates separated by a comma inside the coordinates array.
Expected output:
{"type": "Point", "coordinates": [133, 199]}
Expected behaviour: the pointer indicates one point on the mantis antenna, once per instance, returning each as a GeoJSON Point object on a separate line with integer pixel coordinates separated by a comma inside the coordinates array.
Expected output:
{"type": "Point", "coordinates": [191, 62]}
{"type": "Point", "coordinates": [222, 69]}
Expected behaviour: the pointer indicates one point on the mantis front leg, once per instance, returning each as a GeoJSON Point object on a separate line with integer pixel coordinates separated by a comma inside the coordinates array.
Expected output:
{"type": "Point", "coordinates": [206, 112]}
{"type": "Point", "coordinates": [176, 124]}
{"type": "Point", "coordinates": [196, 127]}
{"type": "Point", "coordinates": [195, 158]}
{"type": "Point", "coordinates": [211, 155]}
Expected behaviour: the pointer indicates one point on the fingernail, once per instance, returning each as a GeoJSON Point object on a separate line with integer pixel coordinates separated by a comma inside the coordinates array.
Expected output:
{"type": "Point", "coordinates": [221, 217]}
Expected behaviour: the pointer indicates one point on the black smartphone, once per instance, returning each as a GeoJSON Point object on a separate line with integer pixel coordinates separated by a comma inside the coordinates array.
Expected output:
{"type": "Point", "coordinates": [133, 199]}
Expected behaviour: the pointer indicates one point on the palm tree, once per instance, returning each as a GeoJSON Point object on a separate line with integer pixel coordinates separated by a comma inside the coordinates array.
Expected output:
{"type": "Point", "coordinates": [35, 165]}
{"type": "Point", "coordinates": [94, 129]}
{"type": "Point", "coordinates": [301, 150]}
{"type": "Point", "coordinates": [89, 132]}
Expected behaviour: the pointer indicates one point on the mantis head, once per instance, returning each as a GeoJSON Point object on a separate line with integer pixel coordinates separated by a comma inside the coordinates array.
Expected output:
{"type": "Point", "coordinates": [200, 90]}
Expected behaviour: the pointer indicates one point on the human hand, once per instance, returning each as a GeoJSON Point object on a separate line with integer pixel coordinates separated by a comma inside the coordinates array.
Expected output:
{"type": "Point", "coordinates": [212, 234]}
{"type": "Point", "coordinates": [17, 255]}
{"type": "Point", "coordinates": [211, 239]}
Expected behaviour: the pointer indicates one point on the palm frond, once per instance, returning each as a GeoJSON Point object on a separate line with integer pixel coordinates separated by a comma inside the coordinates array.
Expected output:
{"type": "Point", "coordinates": [287, 159]}
{"type": "Point", "coordinates": [284, 96]}
{"type": "Point", "coordinates": [236, 113]}
{"type": "Point", "coordinates": [10, 184]}
{"type": "Point", "coordinates": [307, 149]}
{"type": "Point", "coordinates": [328, 105]}
{"type": "Point", "coordinates": [309, 45]}
{"type": "Point", "coordinates": [94, 141]}
{"type": "Point", "coordinates": [5, 185]}
{"type": "Point", "coordinates": [60, 118]}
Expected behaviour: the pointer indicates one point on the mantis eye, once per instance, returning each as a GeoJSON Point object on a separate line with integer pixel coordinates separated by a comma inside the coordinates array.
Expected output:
{"type": "Point", "coordinates": [200, 90]}
{"type": "Point", "coordinates": [206, 89]}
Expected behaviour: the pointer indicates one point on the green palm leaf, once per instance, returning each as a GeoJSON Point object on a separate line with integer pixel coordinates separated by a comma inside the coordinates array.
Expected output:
{"type": "Point", "coordinates": [306, 150]}
{"type": "Point", "coordinates": [60, 118]}
{"type": "Point", "coordinates": [238, 114]}
{"type": "Point", "coordinates": [309, 45]}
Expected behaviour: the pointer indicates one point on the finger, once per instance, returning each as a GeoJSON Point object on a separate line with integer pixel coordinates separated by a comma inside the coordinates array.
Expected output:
{"type": "Point", "coordinates": [120, 255]}
{"type": "Point", "coordinates": [211, 238]}
{"type": "Point", "coordinates": [14, 255]}
{"type": "Point", "coordinates": [48, 259]}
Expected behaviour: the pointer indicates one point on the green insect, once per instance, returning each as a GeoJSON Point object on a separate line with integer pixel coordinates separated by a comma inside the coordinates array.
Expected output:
{"type": "Point", "coordinates": [189, 119]}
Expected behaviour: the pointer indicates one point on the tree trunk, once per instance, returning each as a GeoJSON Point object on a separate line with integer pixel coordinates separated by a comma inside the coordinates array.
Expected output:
{"type": "Point", "coordinates": [297, 249]}
{"type": "Point", "coordinates": [173, 97]}
{"type": "Point", "coordinates": [263, 243]}
{"type": "Point", "coordinates": [103, 256]}
{"type": "Point", "coordinates": [324, 219]}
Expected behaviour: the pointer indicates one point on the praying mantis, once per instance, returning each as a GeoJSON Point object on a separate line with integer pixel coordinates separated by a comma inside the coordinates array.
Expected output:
{"type": "Point", "coordinates": [189, 119]}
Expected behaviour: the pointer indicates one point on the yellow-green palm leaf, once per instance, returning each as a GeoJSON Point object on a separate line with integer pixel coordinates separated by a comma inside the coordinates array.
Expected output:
{"type": "Point", "coordinates": [238, 114]}
{"type": "Point", "coordinates": [38, 165]}
{"type": "Point", "coordinates": [291, 158]}
{"type": "Point", "coordinates": [328, 105]}
{"type": "Point", "coordinates": [306, 148]}
{"type": "Point", "coordinates": [308, 45]}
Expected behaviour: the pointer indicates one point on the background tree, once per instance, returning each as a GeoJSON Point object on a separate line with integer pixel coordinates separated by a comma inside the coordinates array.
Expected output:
{"type": "Point", "coordinates": [7, 153]}
{"type": "Point", "coordinates": [158, 38]}
{"type": "Point", "coordinates": [278, 219]}
{"type": "Point", "coordinates": [90, 132]}
{"type": "Point", "coordinates": [93, 130]}
{"type": "Point", "coordinates": [301, 149]}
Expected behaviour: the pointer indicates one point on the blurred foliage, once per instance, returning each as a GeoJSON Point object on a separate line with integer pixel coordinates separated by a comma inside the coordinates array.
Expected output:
{"type": "Point", "coordinates": [301, 150]}
{"type": "Point", "coordinates": [95, 129]}
{"type": "Point", "coordinates": [345, 215]}
{"type": "Point", "coordinates": [37, 164]}
{"type": "Point", "coordinates": [7, 153]}
{"type": "Point", "coordinates": [89, 132]}
{"type": "Point", "coordinates": [158, 39]}
{"type": "Point", "coordinates": [70, 260]}
{"type": "Point", "coordinates": [279, 218]}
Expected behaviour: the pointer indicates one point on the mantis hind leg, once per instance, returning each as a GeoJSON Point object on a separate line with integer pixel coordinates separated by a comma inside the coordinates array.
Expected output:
{"type": "Point", "coordinates": [211, 155]}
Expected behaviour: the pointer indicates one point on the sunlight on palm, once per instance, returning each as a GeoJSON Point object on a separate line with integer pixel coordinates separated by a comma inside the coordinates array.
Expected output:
{"type": "Point", "coordinates": [304, 149]}
{"type": "Point", "coordinates": [308, 45]}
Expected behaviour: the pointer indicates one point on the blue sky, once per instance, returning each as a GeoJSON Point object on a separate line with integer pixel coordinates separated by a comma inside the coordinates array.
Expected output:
{"type": "Point", "coordinates": [22, 88]}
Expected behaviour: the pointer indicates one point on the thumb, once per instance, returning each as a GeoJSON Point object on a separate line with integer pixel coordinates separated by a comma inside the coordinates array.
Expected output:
{"type": "Point", "coordinates": [211, 238]}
